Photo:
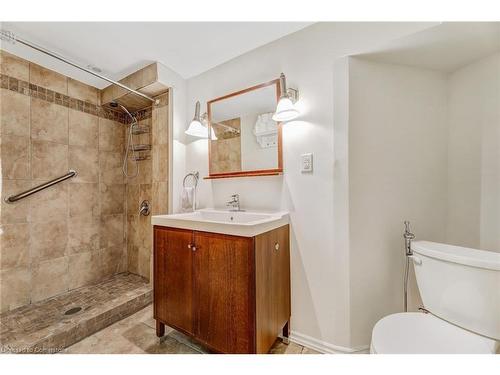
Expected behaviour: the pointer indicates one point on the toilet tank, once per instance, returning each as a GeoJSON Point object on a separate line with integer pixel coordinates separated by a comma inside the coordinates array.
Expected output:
{"type": "Point", "coordinates": [460, 285]}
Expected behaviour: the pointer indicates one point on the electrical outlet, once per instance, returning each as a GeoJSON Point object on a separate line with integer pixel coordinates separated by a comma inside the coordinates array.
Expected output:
{"type": "Point", "coordinates": [306, 163]}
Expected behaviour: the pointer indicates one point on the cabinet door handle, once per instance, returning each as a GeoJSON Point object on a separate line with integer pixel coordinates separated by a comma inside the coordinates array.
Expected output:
{"type": "Point", "coordinates": [276, 246]}
{"type": "Point", "coordinates": [192, 247]}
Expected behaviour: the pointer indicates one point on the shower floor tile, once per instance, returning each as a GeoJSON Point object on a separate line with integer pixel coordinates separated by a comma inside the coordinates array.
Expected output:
{"type": "Point", "coordinates": [43, 327]}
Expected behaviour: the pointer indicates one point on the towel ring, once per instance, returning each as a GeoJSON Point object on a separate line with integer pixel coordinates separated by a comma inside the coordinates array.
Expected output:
{"type": "Point", "coordinates": [195, 176]}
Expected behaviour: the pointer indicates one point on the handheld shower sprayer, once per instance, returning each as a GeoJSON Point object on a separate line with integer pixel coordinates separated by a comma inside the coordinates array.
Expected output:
{"type": "Point", "coordinates": [408, 236]}
{"type": "Point", "coordinates": [130, 143]}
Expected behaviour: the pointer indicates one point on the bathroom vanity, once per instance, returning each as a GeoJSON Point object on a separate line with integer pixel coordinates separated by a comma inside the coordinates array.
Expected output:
{"type": "Point", "coordinates": [223, 278]}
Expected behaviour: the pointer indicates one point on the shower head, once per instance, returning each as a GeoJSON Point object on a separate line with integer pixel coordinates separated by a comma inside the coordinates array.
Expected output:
{"type": "Point", "coordinates": [115, 104]}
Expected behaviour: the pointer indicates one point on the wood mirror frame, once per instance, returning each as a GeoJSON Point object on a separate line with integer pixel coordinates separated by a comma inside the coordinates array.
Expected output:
{"type": "Point", "coordinates": [249, 173]}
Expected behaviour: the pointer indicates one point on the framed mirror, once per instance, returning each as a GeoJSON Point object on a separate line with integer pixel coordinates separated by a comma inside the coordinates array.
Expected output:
{"type": "Point", "coordinates": [244, 140]}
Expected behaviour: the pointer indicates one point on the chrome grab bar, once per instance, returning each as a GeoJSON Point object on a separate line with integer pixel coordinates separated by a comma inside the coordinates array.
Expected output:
{"type": "Point", "coordinates": [36, 189]}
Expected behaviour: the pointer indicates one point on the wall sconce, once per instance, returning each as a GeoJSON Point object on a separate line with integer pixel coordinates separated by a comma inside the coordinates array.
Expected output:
{"type": "Point", "coordinates": [199, 125]}
{"type": "Point", "coordinates": [285, 110]}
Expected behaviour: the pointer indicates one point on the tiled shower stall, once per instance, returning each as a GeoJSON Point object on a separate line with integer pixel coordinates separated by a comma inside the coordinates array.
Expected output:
{"type": "Point", "coordinates": [87, 229]}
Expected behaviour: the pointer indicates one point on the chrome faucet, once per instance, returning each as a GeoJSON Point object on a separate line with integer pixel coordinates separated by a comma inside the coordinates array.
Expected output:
{"type": "Point", "coordinates": [234, 203]}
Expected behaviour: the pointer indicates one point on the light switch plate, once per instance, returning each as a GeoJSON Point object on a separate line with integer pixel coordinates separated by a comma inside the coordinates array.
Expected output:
{"type": "Point", "coordinates": [306, 163]}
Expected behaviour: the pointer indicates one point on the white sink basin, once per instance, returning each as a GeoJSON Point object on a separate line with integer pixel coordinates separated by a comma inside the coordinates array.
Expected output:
{"type": "Point", "coordinates": [246, 224]}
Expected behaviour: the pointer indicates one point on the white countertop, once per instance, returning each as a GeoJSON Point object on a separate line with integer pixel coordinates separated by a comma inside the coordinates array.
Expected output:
{"type": "Point", "coordinates": [239, 223]}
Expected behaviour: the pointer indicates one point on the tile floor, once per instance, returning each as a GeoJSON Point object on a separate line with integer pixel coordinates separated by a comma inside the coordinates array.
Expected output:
{"type": "Point", "coordinates": [136, 334]}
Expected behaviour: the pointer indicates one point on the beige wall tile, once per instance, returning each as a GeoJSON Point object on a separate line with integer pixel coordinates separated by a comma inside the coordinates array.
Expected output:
{"type": "Point", "coordinates": [132, 258]}
{"type": "Point", "coordinates": [15, 157]}
{"type": "Point", "coordinates": [86, 162]}
{"type": "Point", "coordinates": [48, 160]}
{"type": "Point", "coordinates": [80, 90]}
{"type": "Point", "coordinates": [84, 269]}
{"type": "Point", "coordinates": [49, 121]}
{"type": "Point", "coordinates": [112, 198]}
{"type": "Point", "coordinates": [18, 212]}
{"type": "Point", "coordinates": [113, 260]}
{"type": "Point", "coordinates": [14, 288]}
{"type": "Point", "coordinates": [163, 98]}
{"type": "Point", "coordinates": [144, 259]}
{"type": "Point", "coordinates": [14, 66]}
{"type": "Point", "coordinates": [83, 234]}
{"type": "Point", "coordinates": [160, 125]}
{"type": "Point", "coordinates": [145, 231]}
{"type": "Point", "coordinates": [14, 113]}
{"type": "Point", "coordinates": [60, 239]}
{"type": "Point", "coordinates": [110, 167]}
{"type": "Point", "coordinates": [83, 199]}
{"type": "Point", "coordinates": [76, 228]}
{"type": "Point", "coordinates": [83, 129]}
{"type": "Point", "coordinates": [133, 199]}
{"type": "Point", "coordinates": [14, 246]}
{"type": "Point", "coordinates": [111, 135]}
{"type": "Point", "coordinates": [145, 172]}
{"type": "Point", "coordinates": [50, 204]}
{"type": "Point", "coordinates": [145, 192]}
{"type": "Point", "coordinates": [48, 240]}
{"type": "Point", "coordinates": [49, 279]}
{"type": "Point", "coordinates": [48, 79]}
{"type": "Point", "coordinates": [133, 237]}
{"type": "Point", "coordinates": [149, 74]}
{"type": "Point", "coordinates": [111, 231]}
{"type": "Point", "coordinates": [107, 94]}
{"type": "Point", "coordinates": [160, 198]}
{"type": "Point", "coordinates": [160, 163]}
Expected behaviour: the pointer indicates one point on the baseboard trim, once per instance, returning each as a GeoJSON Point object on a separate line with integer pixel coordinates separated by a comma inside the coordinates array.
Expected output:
{"type": "Point", "coordinates": [323, 346]}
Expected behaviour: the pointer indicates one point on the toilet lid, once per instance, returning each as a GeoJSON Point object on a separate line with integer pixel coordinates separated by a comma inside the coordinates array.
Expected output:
{"type": "Point", "coordinates": [420, 333]}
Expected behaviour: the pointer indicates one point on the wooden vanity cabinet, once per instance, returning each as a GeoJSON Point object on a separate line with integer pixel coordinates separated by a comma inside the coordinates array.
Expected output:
{"type": "Point", "coordinates": [230, 293]}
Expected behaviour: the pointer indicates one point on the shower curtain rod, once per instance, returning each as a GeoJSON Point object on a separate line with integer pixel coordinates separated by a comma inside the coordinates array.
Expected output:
{"type": "Point", "coordinates": [10, 37]}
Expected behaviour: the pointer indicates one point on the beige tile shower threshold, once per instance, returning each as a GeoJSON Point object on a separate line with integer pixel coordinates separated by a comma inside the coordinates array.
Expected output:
{"type": "Point", "coordinates": [51, 325]}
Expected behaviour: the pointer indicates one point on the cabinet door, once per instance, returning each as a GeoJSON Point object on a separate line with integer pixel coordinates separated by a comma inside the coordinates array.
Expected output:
{"type": "Point", "coordinates": [272, 280]}
{"type": "Point", "coordinates": [224, 291]}
{"type": "Point", "coordinates": [173, 277]}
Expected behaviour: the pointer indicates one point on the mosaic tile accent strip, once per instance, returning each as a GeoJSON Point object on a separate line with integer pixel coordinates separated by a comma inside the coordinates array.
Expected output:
{"type": "Point", "coordinates": [39, 92]}
{"type": "Point", "coordinates": [43, 327]}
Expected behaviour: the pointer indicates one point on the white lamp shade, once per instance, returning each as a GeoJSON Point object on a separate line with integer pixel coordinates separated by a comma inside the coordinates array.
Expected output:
{"type": "Point", "coordinates": [196, 129]}
{"type": "Point", "coordinates": [285, 110]}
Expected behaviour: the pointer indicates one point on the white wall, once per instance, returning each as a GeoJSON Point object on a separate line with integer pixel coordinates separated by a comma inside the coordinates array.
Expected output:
{"type": "Point", "coordinates": [319, 253]}
{"type": "Point", "coordinates": [473, 217]}
{"type": "Point", "coordinates": [397, 171]}
{"type": "Point", "coordinates": [424, 146]}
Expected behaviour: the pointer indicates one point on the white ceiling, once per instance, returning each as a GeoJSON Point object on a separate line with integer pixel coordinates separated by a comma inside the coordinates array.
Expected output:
{"type": "Point", "coordinates": [120, 48]}
{"type": "Point", "coordinates": [445, 47]}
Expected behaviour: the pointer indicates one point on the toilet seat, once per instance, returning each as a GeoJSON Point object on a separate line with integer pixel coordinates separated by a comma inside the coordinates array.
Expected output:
{"type": "Point", "coordinates": [420, 333]}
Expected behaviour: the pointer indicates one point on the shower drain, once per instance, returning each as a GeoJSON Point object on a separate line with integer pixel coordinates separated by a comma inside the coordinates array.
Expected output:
{"type": "Point", "coordinates": [73, 310]}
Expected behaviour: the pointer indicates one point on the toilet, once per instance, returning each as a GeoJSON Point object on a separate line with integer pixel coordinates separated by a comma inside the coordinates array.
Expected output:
{"type": "Point", "coordinates": [460, 290]}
